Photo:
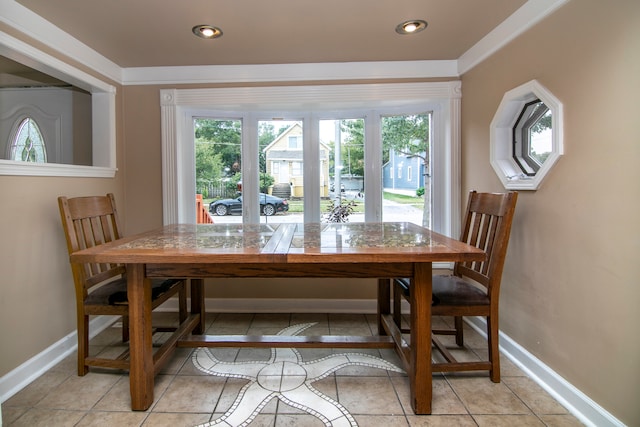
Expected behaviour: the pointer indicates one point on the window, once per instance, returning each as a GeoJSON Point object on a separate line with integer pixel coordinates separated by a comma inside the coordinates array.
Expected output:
{"type": "Point", "coordinates": [312, 106]}
{"type": "Point", "coordinates": [218, 160]}
{"type": "Point", "coordinates": [526, 136]}
{"type": "Point", "coordinates": [92, 104]}
{"type": "Point", "coordinates": [28, 144]}
{"type": "Point", "coordinates": [295, 142]}
{"type": "Point", "coordinates": [296, 168]}
{"type": "Point", "coordinates": [280, 144]}
{"type": "Point", "coordinates": [406, 142]}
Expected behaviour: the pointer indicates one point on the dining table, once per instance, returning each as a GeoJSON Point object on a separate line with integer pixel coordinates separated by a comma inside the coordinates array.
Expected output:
{"type": "Point", "coordinates": [377, 250]}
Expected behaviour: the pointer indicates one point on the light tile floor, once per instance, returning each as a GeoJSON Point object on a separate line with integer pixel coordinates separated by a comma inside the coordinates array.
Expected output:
{"type": "Point", "coordinates": [308, 387]}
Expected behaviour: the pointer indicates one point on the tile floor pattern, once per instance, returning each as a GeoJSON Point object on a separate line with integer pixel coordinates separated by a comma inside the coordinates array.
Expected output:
{"type": "Point", "coordinates": [185, 395]}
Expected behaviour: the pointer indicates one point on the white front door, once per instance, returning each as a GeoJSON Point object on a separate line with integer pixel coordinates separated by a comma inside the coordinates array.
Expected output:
{"type": "Point", "coordinates": [283, 176]}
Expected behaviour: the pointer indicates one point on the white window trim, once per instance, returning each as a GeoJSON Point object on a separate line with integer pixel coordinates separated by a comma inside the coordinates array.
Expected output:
{"type": "Point", "coordinates": [501, 148]}
{"type": "Point", "coordinates": [179, 106]}
{"type": "Point", "coordinates": [103, 118]}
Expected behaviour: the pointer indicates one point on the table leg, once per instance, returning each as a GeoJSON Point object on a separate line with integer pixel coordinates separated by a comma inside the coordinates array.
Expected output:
{"type": "Point", "coordinates": [197, 303]}
{"type": "Point", "coordinates": [420, 363]}
{"type": "Point", "coordinates": [141, 371]}
{"type": "Point", "coordinates": [384, 302]}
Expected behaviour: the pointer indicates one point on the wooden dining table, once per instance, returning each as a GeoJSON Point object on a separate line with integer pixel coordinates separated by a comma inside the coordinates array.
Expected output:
{"type": "Point", "coordinates": [334, 250]}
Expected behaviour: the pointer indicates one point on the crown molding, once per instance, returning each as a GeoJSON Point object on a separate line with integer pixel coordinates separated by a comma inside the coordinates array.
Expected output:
{"type": "Point", "coordinates": [289, 72]}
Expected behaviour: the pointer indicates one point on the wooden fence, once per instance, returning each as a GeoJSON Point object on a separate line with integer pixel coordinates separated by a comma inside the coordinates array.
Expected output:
{"type": "Point", "coordinates": [202, 212]}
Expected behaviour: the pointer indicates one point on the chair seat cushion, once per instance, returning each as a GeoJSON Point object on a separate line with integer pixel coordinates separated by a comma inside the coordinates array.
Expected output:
{"type": "Point", "coordinates": [115, 293]}
{"type": "Point", "coordinates": [453, 290]}
{"type": "Point", "coordinates": [450, 290]}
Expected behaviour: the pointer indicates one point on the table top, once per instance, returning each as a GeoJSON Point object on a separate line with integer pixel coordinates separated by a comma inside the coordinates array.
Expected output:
{"type": "Point", "coordinates": [286, 243]}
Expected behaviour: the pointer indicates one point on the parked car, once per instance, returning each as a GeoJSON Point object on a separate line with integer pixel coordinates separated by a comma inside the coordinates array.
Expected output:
{"type": "Point", "coordinates": [269, 205]}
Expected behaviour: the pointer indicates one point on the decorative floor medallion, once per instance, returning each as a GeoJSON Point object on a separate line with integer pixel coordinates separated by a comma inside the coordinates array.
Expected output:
{"type": "Point", "coordinates": [285, 376]}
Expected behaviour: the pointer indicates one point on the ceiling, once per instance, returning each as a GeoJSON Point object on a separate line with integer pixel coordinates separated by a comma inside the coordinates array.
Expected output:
{"type": "Point", "coordinates": [155, 33]}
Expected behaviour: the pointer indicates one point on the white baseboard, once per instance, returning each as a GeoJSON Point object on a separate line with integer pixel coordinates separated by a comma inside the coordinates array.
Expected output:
{"type": "Point", "coordinates": [24, 374]}
{"type": "Point", "coordinates": [576, 402]}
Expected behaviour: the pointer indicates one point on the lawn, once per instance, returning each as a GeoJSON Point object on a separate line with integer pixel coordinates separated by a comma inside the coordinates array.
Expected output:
{"type": "Point", "coordinates": [403, 199]}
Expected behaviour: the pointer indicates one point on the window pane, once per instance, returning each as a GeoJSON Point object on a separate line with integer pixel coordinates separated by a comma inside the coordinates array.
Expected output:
{"type": "Point", "coordinates": [218, 164]}
{"type": "Point", "coordinates": [541, 138]}
{"type": "Point", "coordinates": [281, 171]}
{"type": "Point", "coordinates": [405, 149]}
{"type": "Point", "coordinates": [532, 137]}
{"type": "Point", "coordinates": [344, 140]}
{"type": "Point", "coordinates": [28, 145]}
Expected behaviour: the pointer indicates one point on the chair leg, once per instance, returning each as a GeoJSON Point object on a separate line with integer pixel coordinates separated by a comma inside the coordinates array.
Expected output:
{"type": "Point", "coordinates": [459, 330]}
{"type": "Point", "coordinates": [125, 328]}
{"type": "Point", "coordinates": [182, 303]}
{"type": "Point", "coordinates": [397, 305]}
{"type": "Point", "coordinates": [83, 343]}
{"type": "Point", "coordinates": [494, 348]}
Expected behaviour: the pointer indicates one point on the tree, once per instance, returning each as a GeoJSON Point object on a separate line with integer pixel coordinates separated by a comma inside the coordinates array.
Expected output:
{"type": "Point", "coordinates": [226, 135]}
{"type": "Point", "coordinates": [209, 167]}
{"type": "Point", "coordinates": [352, 147]}
{"type": "Point", "coordinates": [266, 135]}
{"type": "Point", "coordinates": [217, 151]}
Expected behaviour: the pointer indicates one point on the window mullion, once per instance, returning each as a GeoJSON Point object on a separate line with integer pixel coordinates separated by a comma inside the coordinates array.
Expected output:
{"type": "Point", "coordinates": [250, 170]}
{"type": "Point", "coordinates": [311, 171]}
{"type": "Point", "coordinates": [373, 167]}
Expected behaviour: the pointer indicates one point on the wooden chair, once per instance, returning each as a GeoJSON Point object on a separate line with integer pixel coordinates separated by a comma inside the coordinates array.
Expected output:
{"type": "Point", "coordinates": [474, 287]}
{"type": "Point", "coordinates": [92, 221]}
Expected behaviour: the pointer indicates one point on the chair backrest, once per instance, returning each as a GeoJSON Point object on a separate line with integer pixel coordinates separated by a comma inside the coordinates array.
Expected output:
{"type": "Point", "coordinates": [87, 222]}
{"type": "Point", "coordinates": [487, 225]}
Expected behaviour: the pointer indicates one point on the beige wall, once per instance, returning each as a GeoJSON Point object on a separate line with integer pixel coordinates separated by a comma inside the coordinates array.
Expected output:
{"type": "Point", "coordinates": [37, 304]}
{"type": "Point", "coordinates": [570, 289]}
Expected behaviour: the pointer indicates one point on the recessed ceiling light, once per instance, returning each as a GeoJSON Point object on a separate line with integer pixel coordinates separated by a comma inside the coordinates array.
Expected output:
{"type": "Point", "coordinates": [207, 31]}
{"type": "Point", "coordinates": [411, 27]}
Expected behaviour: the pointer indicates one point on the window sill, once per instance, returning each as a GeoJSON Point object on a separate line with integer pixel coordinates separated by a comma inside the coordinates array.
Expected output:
{"type": "Point", "coordinates": [8, 167]}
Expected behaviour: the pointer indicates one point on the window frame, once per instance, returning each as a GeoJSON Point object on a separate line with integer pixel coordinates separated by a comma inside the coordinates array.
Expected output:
{"type": "Point", "coordinates": [312, 104]}
{"type": "Point", "coordinates": [501, 133]}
